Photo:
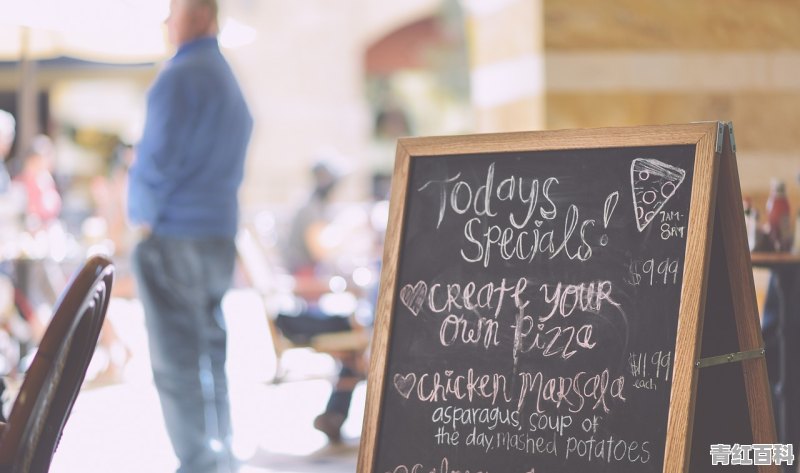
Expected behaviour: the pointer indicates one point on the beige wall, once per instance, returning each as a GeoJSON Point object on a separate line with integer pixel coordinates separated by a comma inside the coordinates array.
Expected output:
{"type": "Point", "coordinates": [535, 64]}
{"type": "Point", "coordinates": [506, 51]}
{"type": "Point", "coordinates": [304, 79]}
{"type": "Point", "coordinates": [629, 62]}
{"type": "Point", "coordinates": [586, 63]}
{"type": "Point", "coordinates": [301, 76]}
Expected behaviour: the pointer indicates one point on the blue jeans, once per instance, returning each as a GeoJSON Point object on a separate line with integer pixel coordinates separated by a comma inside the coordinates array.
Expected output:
{"type": "Point", "coordinates": [181, 283]}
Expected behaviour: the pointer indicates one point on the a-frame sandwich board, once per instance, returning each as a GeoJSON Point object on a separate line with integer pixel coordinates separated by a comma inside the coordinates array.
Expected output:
{"type": "Point", "coordinates": [719, 391]}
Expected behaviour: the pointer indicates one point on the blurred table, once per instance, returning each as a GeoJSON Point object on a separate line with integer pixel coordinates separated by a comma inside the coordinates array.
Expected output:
{"type": "Point", "coordinates": [781, 329]}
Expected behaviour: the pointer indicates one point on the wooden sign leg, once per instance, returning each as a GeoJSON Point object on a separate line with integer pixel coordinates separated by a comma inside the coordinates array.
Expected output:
{"type": "Point", "coordinates": [733, 404]}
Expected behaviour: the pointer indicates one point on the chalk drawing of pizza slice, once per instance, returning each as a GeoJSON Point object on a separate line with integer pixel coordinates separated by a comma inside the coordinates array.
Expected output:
{"type": "Point", "coordinates": [654, 183]}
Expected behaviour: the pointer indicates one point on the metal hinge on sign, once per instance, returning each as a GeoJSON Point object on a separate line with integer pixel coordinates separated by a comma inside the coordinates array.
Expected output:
{"type": "Point", "coordinates": [720, 137]}
{"type": "Point", "coordinates": [729, 358]}
{"type": "Point", "coordinates": [730, 134]}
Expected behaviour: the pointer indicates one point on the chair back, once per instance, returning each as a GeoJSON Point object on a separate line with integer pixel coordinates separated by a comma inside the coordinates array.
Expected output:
{"type": "Point", "coordinates": [56, 374]}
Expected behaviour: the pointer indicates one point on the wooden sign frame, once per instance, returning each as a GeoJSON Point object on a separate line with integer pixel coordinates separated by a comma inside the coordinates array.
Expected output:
{"type": "Point", "coordinates": [716, 201]}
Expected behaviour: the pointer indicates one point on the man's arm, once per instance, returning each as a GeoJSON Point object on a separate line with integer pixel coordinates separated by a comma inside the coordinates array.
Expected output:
{"type": "Point", "coordinates": [159, 156]}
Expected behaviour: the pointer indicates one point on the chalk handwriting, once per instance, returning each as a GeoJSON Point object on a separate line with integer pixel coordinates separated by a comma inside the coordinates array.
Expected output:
{"type": "Point", "coordinates": [524, 245]}
{"type": "Point", "coordinates": [405, 383]}
{"type": "Point", "coordinates": [554, 422]}
{"type": "Point", "coordinates": [469, 296]}
{"type": "Point", "coordinates": [657, 365]}
{"type": "Point", "coordinates": [446, 437]}
{"type": "Point", "coordinates": [561, 341]}
{"type": "Point", "coordinates": [531, 332]}
{"type": "Point", "coordinates": [608, 450]}
{"type": "Point", "coordinates": [456, 329]}
{"type": "Point", "coordinates": [443, 467]}
{"type": "Point", "coordinates": [520, 235]}
{"type": "Point", "coordinates": [460, 198]}
{"type": "Point", "coordinates": [672, 225]}
{"type": "Point", "coordinates": [414, 296]}
{"type": "Point", "coordinates": [443, 194]}
{"type": "Point", "coordinates": [527, 442]}
{"type": "Point", "coordinates": [609, 206]}
{"type": "Point", "coordinates": [565, 298]}
{"type": "Point", "coordinates": [490, 417]}
{"type": "Point", "coordinates": [652, 272]}
{"type": "Point", "coordinates": [573, 392]}
{"type": "Point", "coordinates": [441, 386]}
{"type": "Point", "coordinates": [653, 183]}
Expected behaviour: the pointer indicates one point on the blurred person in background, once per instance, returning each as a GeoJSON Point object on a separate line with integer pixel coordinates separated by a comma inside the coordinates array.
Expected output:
{"type": "Point", "coordinates": [307, 256]}
{"type": "Point", "coordinates": [17, 335]}
{"type": "Point", "coordinates": [43, 199]}
{"type": "Point", "coordinates": [8, 203]}
{"type": "Point", "coordinates": [304, 248]}
{"type": "Point", "coordinates": [38, 277]}
{"type": "Point", "coordinates": [11, 196]}
{"type": "Point", "coordinates": [182, 196]}
{"type": "Point", "coordinates": [9, 352]}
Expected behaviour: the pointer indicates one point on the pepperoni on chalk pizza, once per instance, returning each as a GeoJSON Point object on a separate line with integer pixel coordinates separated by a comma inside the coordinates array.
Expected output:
{"type": "Point", "coordinates": [654, 183]}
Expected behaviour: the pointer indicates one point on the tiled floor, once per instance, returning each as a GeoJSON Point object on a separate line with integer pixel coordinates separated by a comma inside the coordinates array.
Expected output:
{"type": "Point", "coordinates": [118, 428]}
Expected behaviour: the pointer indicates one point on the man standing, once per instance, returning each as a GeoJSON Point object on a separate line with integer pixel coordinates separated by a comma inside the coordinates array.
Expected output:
{"type": "Point", "coordinates": [183, 197]}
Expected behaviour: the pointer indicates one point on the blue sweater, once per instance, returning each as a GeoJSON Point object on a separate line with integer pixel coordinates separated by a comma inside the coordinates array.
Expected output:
{"type": "Point", "coordinates": [190, 161]}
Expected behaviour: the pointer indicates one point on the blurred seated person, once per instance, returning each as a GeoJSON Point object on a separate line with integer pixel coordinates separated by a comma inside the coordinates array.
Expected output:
{"type": "Point", "coordinates": [43, 199]}
{"type": "Point", "coordinates": [33, 275]}
{"type": "Point", "coordinates": [305, 256]}
{"type": "Point", "coordinates": [304, 250]}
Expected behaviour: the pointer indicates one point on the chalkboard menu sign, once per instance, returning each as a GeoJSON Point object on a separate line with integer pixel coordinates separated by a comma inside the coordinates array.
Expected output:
{"type": "Point", "coordinates": [540, 309]}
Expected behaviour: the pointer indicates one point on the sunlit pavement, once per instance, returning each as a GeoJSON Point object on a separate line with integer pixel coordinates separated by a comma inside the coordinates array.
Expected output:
{"type": "Point", "coordinates": [118, 427]}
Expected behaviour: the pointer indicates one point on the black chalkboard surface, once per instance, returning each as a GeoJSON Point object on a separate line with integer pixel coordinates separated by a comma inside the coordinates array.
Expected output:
{"type": "Point", "coordinates": [531, 305]}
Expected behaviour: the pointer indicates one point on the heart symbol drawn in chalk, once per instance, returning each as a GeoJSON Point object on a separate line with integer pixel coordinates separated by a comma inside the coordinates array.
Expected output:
{"type": "Point", "coordinates": [405, 384]}
{"type": "Point", "coordinates": [414, 296]}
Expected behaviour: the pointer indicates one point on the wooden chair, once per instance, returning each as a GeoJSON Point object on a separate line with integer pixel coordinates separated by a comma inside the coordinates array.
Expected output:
{"type": "Point", "coordinates": [57, 372]}
{"type": "Point", "coordinates": [263, 275]}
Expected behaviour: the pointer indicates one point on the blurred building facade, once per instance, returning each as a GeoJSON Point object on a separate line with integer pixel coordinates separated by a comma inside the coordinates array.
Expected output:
{"type": "Point", "coordinates": [634, 62]}
{"type": "Point", "coordinates": [317, 74]}
{"type": "Point", "coordinates": [537, 64]}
